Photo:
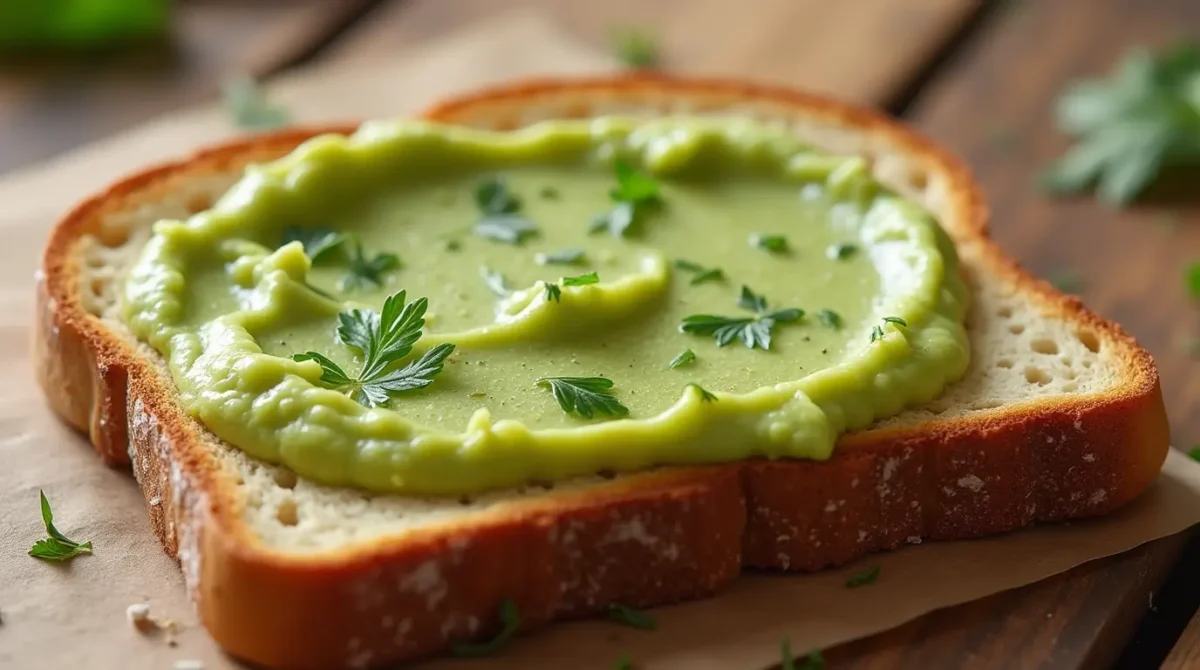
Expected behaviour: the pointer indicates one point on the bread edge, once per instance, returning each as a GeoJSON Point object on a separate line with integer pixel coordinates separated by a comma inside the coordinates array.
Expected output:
{"type": "Point", "coordinates": [649, 539]}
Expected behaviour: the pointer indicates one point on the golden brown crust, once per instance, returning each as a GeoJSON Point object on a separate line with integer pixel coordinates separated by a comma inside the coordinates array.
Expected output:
{"type": "Point", "coordinates": [641, 540]}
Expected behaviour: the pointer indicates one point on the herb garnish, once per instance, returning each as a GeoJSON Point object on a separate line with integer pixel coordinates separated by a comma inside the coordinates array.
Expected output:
{"type": "Point", "coordinates": [863, 578]}
{"type": "Point", "coordinates": [623, 663]}
{"type": "Point", "coordinates": [586, 396]}
{"type": "Point", "coordinates": [498, 207]}
{"type": "Point", "coordinates": [382, 339]}
{"type": "Point", "coordinates": [495, 281]}
{"type": "Point", "coordinates": [553, 292]}
{"type": "Point", "coordinates": [581, 280]}
{"type": "Point", "coordinates": [700, 274]}
{"type": "Point", "coordinates": [752, 331]}
{"type": "Point", "coordinates": [841, 251]}
{"type": "Point", "coordinates": [705, 395]}
{"type": "Point", "coordinates": [511, 620]}
{"type": "Point", "coordinates": [814, 660]}
{"type": "Point", "coordinates": [685, 357]}
{"type": "Point", "coordinates": [318, 241]}
{"type": "Point", "coordinates": [773, 243]}
{"type": "Point", "coordinates": [548, 193]}
{"type": "Point", "coordinates": [1130, 127]}
{"type": "Point", "coordinates": [1194, 453]}
{"type": "Point", "coordinates": [634, 48]}
{"type": "Point", "coordinates": [366, 270]}
{"type": "Point", "coordinates": [877, 331]}
{"type": "Point", "coordinates": [632, 194]}
{"type": "Point", "coordinates": [248, 106]}
{"type": "Point", "coordinates": [634, 618]}
{"type": "Point", "coordinates": [1193, 280]}
{"type": "Point", "coordinates": [57, 547]}
{"type": "Point", "coordinates": [830, 318]}
{"type": "Point", "coordinates": [563, 257]}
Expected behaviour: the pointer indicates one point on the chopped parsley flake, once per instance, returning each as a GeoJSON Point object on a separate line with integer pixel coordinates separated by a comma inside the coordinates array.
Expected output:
{"type": "Point", "coordinates": [499, 209]}
{"type": "Point", "coordinates": [705, 395]}
{"type": "Point", "coordinates": [581, 280]}
{"type": "Point", "coordinates": [510, 619]}
{"type": "Point", "coordinates": [563, 257]}
{"type": "Point", "coordinates": [585, 396]}
{"type": "Point", "coordinates": [382, 339]}
{"type": "Point", "coordinates": [634, 618]}
{"type": "Point", "coordinates": [830, 319]}
{"type": "Point", "coordinates": [495, 281]}
{"type": "Point", "coordinates": [57, 547]}
{"type": "Point", "coordinates": [841, 251]}
{"type": "Point", "coordinates": [700, 274]}
{"type": "Point", "coordinates": [752, 331]}
{"type": "Point", "coordinates": [773, 243]}
{"type": "Point", "coordinates": [685, 357]}
{"type": "Point", "coordinates": [633, 193]}
{"type": "Point", "coordinates": [863, 578]}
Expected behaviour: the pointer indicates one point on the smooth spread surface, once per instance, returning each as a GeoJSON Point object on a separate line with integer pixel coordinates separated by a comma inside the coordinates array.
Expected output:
{"type": "Point", "coordinates": [227, 306]}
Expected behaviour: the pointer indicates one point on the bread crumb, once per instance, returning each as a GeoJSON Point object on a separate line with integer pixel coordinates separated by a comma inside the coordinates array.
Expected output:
{"type": "Point", "coordinates": [139, 616]}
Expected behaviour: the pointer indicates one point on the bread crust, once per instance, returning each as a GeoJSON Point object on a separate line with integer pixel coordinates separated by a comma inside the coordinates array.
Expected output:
{"type": "Point", "coordinates": [641, 540]}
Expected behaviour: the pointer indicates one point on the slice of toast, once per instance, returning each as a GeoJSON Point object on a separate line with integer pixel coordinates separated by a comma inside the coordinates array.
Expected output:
{"type": "Point", "coordinates": [1059, 417]}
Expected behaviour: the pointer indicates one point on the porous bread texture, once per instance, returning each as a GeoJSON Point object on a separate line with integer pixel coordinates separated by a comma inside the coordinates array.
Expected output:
{"type": "Point", "coordinates": [1019, 355]}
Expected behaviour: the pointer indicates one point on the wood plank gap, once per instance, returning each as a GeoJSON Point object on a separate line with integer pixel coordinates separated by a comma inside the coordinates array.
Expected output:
{"type": "Point", "coordinates": [988, 12]}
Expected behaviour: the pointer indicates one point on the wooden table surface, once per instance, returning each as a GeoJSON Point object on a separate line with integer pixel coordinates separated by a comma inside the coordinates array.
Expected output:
{"type": "Point", "coordinates": [980, 77]}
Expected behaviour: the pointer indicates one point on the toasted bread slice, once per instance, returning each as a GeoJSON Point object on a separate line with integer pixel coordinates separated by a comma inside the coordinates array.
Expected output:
{"type": "Point", "coordinates": [1060, 417]}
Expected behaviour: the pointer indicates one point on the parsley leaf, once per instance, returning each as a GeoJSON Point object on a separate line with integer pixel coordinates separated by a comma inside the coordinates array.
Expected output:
{"type": "Point", "coordinates": [1130, 127]}
{"type": "Point", "coordinates": [506, 228]}
{"type": "Point", "coordinates": [1193, 280]}
{"type": "Point", "coordinates": [549, 193]}
{"type": "Point", "coordinates": [773, 243]}
{"type": "Point", "coordinates": [877, 331]}
{"type": "Point", "coordinates": [634, 48]}
{"type": "Point", "coordinates": [841, 251]}
{"type": "Point", "coordinates": [700, 274]}
{"type": "Point", "coordinates": [685, 357]}
{"type": "Point", "coordinates": [634, 618]}
{"type": "Point", "coordinates": [705, 395]}
{"type": "Point", "coordinates": [382, 339]}
{"type": "Point", "coordinates": [564, 257]}
{"type": "Point", "coordinates": [248, 106]}
{"type": "Point", "coordinates": [510, 619]}
{"type": "Point", "coordinates": [623, 663]}
{"type": "Point", "coordinates": [863, 578]}
{"type": "Point", "coordinates": [57, 547]}
{"type": "Point", "coordinates": [553, 292]}
{"type": "Point", "coordinates": [367, 272]}
{"type": "Point", "coordinates": [495, 281]}
{"type": "Point", "coordinates": [750, 300]}
{"type": "Point", "coordinates": [1194, 453]}
{"type": "Point", "coordinates": [632, 194]}
{"type": "Point", "coordinates": [493, 197]}
{"type": "Point", "coordinates": [813, 660]}
{"type": "Point", "coordinates": [830, 319]}
{"type": "Point", "coordinates": [751, 331]}
{"type": "Point", "coordinates": [586, 396]}
{"type": "Point", "coordinates": [499, 206]}
{"type": "Point", "coordinates": [581, 280]}
{"type": "Point", "coordinates": [318, 241]}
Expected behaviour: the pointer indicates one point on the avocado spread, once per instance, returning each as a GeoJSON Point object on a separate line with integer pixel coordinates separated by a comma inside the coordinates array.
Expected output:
{"type": "Point", "coordinates": [601, 295]}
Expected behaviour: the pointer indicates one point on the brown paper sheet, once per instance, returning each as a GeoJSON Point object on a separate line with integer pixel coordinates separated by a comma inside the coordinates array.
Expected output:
{"type": "Point", "coordinates": [74, 615]}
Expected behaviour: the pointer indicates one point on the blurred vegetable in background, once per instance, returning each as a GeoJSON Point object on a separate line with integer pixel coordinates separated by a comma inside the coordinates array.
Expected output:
{"type": "Point", "coordinates": [1131, 127]}
{"type": "Point", "coordinates": [72, 24]}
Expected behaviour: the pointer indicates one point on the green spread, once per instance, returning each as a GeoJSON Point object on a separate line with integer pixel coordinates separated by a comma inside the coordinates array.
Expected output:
{"type": "Point", "coordinates": [694, 245]}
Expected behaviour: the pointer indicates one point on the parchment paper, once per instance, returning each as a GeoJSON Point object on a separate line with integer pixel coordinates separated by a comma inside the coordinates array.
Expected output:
{"type": "Point", "coordinates": [74, 615]}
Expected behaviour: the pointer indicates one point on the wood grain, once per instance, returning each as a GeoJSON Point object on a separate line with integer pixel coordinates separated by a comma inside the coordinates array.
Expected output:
{"type": "Point", "coordinates": [53, 104]}
{"type": "Point", "coordinates": [859, 50]}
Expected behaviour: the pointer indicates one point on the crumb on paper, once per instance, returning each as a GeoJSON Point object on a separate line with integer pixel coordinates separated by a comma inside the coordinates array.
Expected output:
{"type": "Point", "coordinates": [139, 616]}
{"type": "Point", "coordinates": [155, 501]}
